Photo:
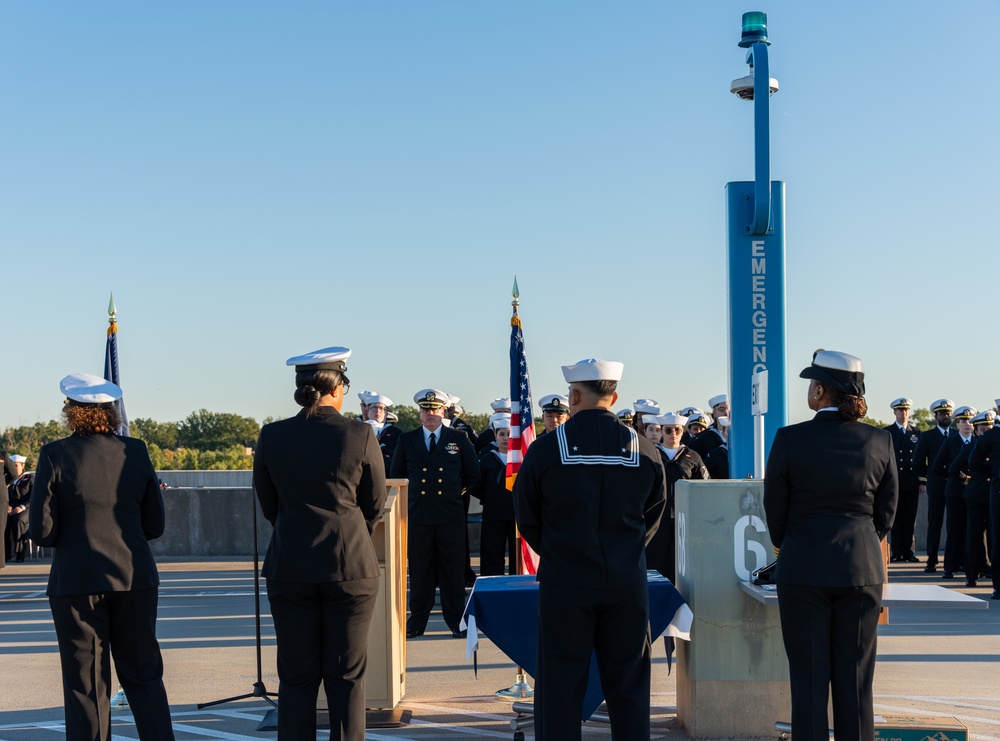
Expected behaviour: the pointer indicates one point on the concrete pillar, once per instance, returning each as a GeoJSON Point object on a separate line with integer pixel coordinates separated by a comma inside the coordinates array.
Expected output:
{"type": "Point", "coordinates": [732, 677]}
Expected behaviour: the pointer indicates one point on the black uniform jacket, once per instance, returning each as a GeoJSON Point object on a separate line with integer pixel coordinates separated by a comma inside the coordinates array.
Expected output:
{"type": "Point", "coordinates": [462, 426]}
{"type": "Point", "coordinates": [986, 457]}
{"type": "Point", "coordinates": [954, 448]}
{"type": "Point", "coordinates": [971, 485]}
{"type": "Point", "coordinates": [717, 462]}
{"type": "Point", "coordinates": [437, 479]}
{"type": "Point", "coordinates": [485, 439]}
{"type": "Point", "coordinates": [491, 490]}
{"type": "Point", "coordinates": [320, 481]}
{"type": "Point", "coordinates": [928, 445]}
{"type": "Point", "coordinates": [904, 443]}
{"type": "Point", "coordinates": [20, 491]}
{"type": "Point", "coordinates": [830, 492]}
{"type": "Point", "coordinates": [588, 498]}
{"type": "Point", "coordinates": [975, 481]}
{"type": "Point", "coordinates": [388, 439]}
{"type": "Point", "coordinates": [685, 466]}
{"type": "Point", "coordinates": [96, 501]}
{"type": "Point", "coordinates": [708, 440]}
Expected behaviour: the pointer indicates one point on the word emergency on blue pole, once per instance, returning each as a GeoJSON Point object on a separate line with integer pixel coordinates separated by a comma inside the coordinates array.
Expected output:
{"type": "Point", "coordinates": [755, 231]}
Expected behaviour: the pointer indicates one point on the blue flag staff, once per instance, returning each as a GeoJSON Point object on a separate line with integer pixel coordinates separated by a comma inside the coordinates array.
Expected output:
{"type": "Point", "coordinates": [522, 433]}
{"type": "Point", "coordinates": [111, 362]}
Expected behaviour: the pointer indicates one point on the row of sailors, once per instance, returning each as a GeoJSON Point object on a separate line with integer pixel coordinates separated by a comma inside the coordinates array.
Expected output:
{"type": "Point", "coordinates": [692, 445]}
{"type": "Point", "coordinates": [703, 439]}
{"type": "Point", "coordinates": [957, 464]}
{"type": "Point", "coordinates": [702, 433]}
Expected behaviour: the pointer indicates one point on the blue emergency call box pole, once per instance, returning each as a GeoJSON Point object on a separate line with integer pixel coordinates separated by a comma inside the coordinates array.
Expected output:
{"type": "Point", "coordinates": [755, 229]}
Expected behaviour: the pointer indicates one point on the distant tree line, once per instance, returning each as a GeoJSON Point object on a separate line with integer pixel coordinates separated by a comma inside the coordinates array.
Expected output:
{"type": "Point", "coordinates": [219, 441]}
{"type": "Point", "coordinates": [203, 441]}
{"type": "Point", "coordinates": [922, 419]}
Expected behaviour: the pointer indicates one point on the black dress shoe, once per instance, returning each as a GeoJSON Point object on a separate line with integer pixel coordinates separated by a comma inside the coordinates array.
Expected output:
{"type": "Point", "coordinates": [970, 583]}
{"type": "Point", "coordinates": [947, 575]}
{"type": "Point", "coordinates": [930, 568]}
{"type": "Point", "coordinates": [912, 559]}
{"type": "Point", "coordinates": [459, 633]}
{"type": "Point", "coordinates": [413, 633]}
{"type": "Point", "coordinates": [996, 594]}
{"type": "Point", "coordinates": [895, 559]}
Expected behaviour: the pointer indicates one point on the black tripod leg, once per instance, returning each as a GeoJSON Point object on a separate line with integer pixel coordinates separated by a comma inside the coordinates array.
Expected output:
{"type": "Point", "coordinates": [259, 690]}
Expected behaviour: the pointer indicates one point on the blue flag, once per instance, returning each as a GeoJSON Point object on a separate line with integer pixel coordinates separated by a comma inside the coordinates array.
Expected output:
{"type": "Point", "coordinates": [111, 365]}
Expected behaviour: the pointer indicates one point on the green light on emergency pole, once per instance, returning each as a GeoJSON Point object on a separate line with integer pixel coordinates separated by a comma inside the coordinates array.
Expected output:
{"type": "Point", "coordinates": [754, 29]}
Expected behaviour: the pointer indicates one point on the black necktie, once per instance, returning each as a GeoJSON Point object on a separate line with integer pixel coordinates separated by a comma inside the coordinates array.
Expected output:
{"type": "Point", "coordinates": [430, 447]}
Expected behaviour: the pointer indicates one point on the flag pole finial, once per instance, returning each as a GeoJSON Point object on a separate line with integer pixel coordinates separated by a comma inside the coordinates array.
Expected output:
{"type": "Point", "coordinates": [112, 309]}
{"type": "Point", "coordinates": [515, 295]}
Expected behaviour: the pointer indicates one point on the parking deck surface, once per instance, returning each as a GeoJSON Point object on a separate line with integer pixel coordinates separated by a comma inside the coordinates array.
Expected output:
{"type": "Point", "coordinates": [931, 662]}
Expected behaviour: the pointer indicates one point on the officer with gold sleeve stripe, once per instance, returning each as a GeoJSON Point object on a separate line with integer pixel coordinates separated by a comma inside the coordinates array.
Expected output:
{"type": "Point", "coordinates": [904, 442]}
{"type": "Point", "coordinates": [440, 464]}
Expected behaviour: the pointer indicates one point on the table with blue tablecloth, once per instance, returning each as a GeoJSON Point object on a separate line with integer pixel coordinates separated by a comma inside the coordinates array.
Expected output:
{"type": "Point", "coordinates": [505, 609]}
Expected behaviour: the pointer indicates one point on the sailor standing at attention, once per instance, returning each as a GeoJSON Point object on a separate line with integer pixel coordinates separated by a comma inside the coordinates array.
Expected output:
{"type": "Point", "coordinates": [588, 498]}
{"type": "Point", "coordinates": [904, 440]}
{"type": "Point", "coordinates": [830, 491]}
{"type": "Point", "coordinates": [928, 445]}
{"type": "Point", "coordinates": [440, 464]}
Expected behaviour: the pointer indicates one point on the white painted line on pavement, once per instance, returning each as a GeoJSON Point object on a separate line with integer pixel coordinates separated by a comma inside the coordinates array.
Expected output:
{"type": "Point", "coordinates": [914, 711]}
{"type": "Point", "coordinates": [208, 733]}
{"type": "Point", "coordinates": [458, 729]}
{"type": "Point", "coordinates": [44, 724]}
{"type": "Point", "coordinates": [957, 702]}
{"type": "Point", "coordinates": [238, 714]}
{"type": "Point", "coordinates": [453, 710]}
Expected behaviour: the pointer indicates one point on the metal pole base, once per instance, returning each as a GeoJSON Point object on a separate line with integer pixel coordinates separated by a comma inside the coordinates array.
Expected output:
{"type": "Point", "coordinates": [119, 701]}
{"type": "Point", "coordinates": [520, 690]}
{"type": "Point", "coordinates": [786, 730]}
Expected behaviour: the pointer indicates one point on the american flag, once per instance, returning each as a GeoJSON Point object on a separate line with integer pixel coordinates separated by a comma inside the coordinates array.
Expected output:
{"type": "Point", "coordinates": [111, 362]}
{"type": "Point", "coordinates": [522, 423]}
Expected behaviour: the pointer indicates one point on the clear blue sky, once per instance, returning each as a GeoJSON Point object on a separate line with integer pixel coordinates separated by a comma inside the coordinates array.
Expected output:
{"type": "Point", "coordinates": [256, 180]}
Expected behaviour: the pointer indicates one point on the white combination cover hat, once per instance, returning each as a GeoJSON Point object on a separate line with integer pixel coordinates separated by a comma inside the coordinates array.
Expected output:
{"type": "Point", "coordinates": [88, 389]}
{"type": "Point", "coordinates": [328, 358]}
{"type": "Point", "coordinates": [430, 398]}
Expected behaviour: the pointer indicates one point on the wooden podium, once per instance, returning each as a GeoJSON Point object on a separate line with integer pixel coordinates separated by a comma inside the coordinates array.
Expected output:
{"type": "Point", "coordinates": [385, 679]}
{"type": "Point", "coordinates": [385, 682]}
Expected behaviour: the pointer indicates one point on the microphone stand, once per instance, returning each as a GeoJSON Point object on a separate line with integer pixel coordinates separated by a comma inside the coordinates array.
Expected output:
{"type": "Point", "coordinates": [259, 690]}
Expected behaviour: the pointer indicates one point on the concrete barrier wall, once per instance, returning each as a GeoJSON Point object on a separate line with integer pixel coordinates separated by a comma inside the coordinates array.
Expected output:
{"type": "Point", "coordinates": [212, 479]}
{"type": "Point", "coordinates": [211, 522]}
{"type": "Point", "coordinates": [219, 522]}
{"type": "Point", "coordinates": [243, 479]}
